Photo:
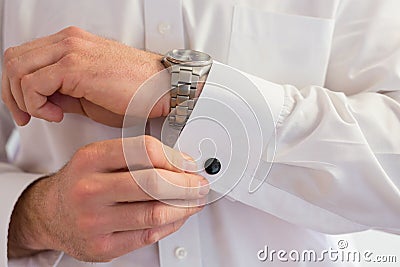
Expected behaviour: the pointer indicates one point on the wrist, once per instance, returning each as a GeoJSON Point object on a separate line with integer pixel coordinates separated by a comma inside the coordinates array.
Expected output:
{"type": "Point", "coordinates": [159, 76]}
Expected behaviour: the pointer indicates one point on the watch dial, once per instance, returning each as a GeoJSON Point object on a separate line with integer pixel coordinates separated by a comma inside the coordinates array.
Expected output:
{"type": "Point", "coordinates": [184, 55]}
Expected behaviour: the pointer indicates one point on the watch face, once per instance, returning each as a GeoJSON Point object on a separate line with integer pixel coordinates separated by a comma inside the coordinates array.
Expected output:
{"type": "Point", "coordinates": [190, 57]}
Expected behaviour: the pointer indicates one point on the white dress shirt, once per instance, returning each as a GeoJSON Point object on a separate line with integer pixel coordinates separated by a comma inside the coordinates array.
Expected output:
{"type": "Point", "coordinates": [330, 72]}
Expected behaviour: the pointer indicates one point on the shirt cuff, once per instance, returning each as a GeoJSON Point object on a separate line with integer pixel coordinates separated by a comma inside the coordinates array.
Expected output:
{"type": "Point", "coordinates": [13, 185]}
{"type": "Point", "coordinates": [234, 121]}
{"type": "Point", "coordinates": [43, 259]}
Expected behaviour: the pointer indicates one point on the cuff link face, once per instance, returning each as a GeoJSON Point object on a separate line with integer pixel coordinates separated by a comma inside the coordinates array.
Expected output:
{"type": "Point", "coordinates": [212, 166]}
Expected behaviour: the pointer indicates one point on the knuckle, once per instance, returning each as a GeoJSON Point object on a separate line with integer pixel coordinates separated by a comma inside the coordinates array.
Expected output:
{"type": "Point", "coordinates": [9, 53]}
{"type": "Point", "coordinates": [81, 157]}
{"type": "Point", "coordinates": [26, 83]}
{"type": "Point", "coordinates": [90, 153]}
{"type": "Point", "coordinates": [13, 67]}
{"type": "Point", "coordinates": [151, 184]}
{"type": "Point", "coordinates": [86, 154]}
{"type": "Point", "coordinates": [71, 84]}
{"type": "Point", "coordinates": [189, 187]}
{"type": "Point", "coordinates": [189, 212]}
{"type": "Point", "coordinates": [73, 31]}
{"type": "Point", "coordinates": [86, 189]}
{"type": "Point", "coordinates": [157, 215]}
{"type": "Point", "coordinates": [176, 226]}
{"type": "Point", "coordinates": [32, 110]}
{"type": "Point", "coordinates": [70, 60]}
{"type": "Point", "coordinates": [152, 146]}
{"type": "Point", "coordinates": [150, 236]}
{"type": "Point", "coordinates": [71, 43]}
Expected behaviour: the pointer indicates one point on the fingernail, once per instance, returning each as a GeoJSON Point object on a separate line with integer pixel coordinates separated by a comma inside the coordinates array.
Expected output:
{"type": "Point", "coordinates": [204, 187]}
{"type": "Point", "coordinates": [180, 160]}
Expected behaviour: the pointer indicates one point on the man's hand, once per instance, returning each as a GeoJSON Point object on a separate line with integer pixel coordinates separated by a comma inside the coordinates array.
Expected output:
{"type": "Point", "coordinates": [94, 210]}
{"type": "Point", "coordinates": [74, 71]}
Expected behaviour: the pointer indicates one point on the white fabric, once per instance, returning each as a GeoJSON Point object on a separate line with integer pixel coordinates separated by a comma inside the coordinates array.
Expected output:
{"type": "Point", "coordinates": [336, 165]}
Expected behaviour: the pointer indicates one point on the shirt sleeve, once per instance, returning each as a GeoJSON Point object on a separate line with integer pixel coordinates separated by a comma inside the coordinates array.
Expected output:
{"type": "Point", "coordinates": [13, 182]}
{"type": "Point", "coordinates": [330, 164]}
{"type": "Point", "coordinates": [331, 161]}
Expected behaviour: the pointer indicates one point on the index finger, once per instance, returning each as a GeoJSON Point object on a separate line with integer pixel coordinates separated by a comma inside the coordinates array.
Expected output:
{"type": "Point", "coordinates": [20, 117]}
{"type": "Point", "coordinates": [151, 184]}
{"type": "Point", "coordinates": [47, 40]}
{"type": "Point", "coordinates": [143, 152]}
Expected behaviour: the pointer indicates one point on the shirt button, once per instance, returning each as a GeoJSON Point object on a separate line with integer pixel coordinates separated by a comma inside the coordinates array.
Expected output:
{"type": "Point", "coordinates": [180, 253]}
{"type": "Point", "coordinates": [164, 28]}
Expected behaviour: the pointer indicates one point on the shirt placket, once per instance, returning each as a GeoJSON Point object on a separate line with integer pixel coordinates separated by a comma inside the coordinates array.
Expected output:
{"type": "Point", "coordinates": [163, 25]}
{"type": "Point", "coordinates": [164, 31]}
{"type": "Point", "coordinates": [182, 248]}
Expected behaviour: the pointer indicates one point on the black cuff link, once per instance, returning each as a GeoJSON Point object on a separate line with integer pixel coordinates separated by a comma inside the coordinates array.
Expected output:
{"type": "Point", "coordinates": [212, 166]}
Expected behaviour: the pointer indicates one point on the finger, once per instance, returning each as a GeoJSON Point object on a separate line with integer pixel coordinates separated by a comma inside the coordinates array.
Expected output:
{"type": "Point", "coordinates": [20, 117]}
{"type": "Point", "coordinates": [48, 40]}
{"type": "Point", "coordinates": [70, 77]}
{"type": "Point", "coordinates": [45, 82]}
{"type": "Point", "coordinates": [166, 185]}
{"type": "Point", "coordinates": [142, 152]}
{"type": "Point", "coordinates": [32, 56]}
{"type": "Point", "coordinates": [37, 105]}
{"type": "Point", "coordinates": [125, 242]}
{"type": "Point", "coordinates": [27, 58]}
{"type": "Point", "coordinates": [67, 103]}
{"type": "Point", "coordinates": [30, 62]}
{"type": "Point", "coordinates": [16, 51]}
{"type": "Point", "coordinates": [16, 91]}
{"type": "Point", "coordinates": [99, 114]}
{"type": "Point", "coordinates": [155, 154]}
{"type": "Point", "coordinates": [152, 184]}
{"type": "Point", "coordinates": [143, 215]}
{"type": "Point", "coordinates": [83, 107]}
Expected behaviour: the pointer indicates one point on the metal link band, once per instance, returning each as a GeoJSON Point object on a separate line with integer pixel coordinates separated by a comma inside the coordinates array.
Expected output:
{"type": "Point", "coordinates": [184, 82]}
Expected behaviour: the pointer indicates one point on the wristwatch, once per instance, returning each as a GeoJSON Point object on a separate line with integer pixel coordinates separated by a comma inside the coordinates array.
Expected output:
{"type": "Point", "coordinates": [189, 69]}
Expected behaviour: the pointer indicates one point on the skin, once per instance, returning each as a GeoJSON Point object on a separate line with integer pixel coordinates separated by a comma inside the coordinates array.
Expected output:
{"type": "Point", "coordinates": [93, 208]}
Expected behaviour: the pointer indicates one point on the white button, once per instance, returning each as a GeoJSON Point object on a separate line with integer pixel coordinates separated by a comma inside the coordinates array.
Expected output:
{"type": "Point", "coordinates": [164, 28]}
{"type": "Point", "coordinates": [180, 253]}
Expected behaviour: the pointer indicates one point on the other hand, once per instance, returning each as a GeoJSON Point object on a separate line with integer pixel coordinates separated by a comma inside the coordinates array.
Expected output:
{"type": "Point", "coordinates": [74, 71]}
{"type": "Point", "coordinates": [94, 210]}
